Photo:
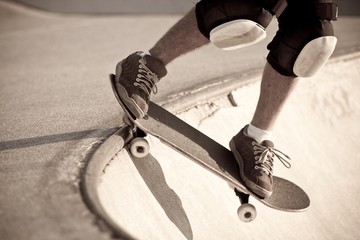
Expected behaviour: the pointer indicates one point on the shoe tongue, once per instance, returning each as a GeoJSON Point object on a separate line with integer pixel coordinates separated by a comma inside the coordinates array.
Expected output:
{"type": "Point", "coordinates": [267, 143]}
{"type": "Point", "coordinates": [156, 66]}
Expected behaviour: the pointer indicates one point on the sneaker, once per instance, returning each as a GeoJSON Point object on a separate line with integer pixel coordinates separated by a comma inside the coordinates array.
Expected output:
{"type": "Point", "coordinates": [136, 78]}
{"type": "Point", "coordinates": [255, 162]}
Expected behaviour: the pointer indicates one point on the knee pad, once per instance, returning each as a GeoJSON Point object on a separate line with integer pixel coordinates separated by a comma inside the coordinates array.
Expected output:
{"type": "Point", "coordinates": [314, 56]}
{"type": "Point", "coordinates": [232, 24]}
{"type": "Point", "coordinates": [237, 34]}
{"type": "Point", "coordinates": [305, 41]}
{"type": "Point", "coordinates": [317, 52]}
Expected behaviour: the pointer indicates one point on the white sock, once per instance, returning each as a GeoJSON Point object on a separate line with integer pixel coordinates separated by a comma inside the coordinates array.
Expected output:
{"type": "Point", "coordinates": [145, 53]}
{"type": "Point", "coordinates": [258, 134]}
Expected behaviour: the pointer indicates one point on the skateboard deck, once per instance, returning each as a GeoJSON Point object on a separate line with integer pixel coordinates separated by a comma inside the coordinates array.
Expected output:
{"type": "Point", "coordinates": [212, 156]}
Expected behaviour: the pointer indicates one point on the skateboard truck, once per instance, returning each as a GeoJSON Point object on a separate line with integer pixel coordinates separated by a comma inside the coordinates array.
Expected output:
{"type": "Point", "coordinates": [139, 147]}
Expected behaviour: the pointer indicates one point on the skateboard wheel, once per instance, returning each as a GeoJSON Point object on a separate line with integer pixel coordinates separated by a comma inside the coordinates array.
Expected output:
{"type": "Point", "coordinates": [246, 212]}
{"type": "Point", "coordinates": [139, 147]}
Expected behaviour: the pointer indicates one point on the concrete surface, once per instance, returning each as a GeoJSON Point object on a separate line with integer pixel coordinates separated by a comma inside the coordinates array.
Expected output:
{"type": "Point", "coordinates": [57, 106]}
{"type": "Point", "coordinates": [167, 196]}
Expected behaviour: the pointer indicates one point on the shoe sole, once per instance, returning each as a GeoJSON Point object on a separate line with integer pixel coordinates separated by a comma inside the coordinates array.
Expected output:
{"type": "Point", "coordinates": [130, 104]}
{"type": "Point", "coordinates": [259, 191]}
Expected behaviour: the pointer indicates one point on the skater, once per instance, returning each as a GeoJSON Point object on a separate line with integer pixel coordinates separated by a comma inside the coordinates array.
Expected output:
{"type": "Point", "coordinates": [302, 45]}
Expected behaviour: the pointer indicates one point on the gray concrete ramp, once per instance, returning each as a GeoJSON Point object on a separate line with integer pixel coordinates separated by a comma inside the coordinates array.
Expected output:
{"type": "Point", "coordinates": [57, 108]}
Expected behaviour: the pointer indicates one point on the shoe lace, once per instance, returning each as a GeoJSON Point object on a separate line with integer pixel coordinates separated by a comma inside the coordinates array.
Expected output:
{"type": "Point", "coordinates": [146, 79]}
{"type": "Point", "coordinates": [265, 155]}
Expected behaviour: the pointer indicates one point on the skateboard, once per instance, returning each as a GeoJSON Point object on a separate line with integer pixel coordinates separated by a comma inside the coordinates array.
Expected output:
{"type": "Point", "coordinates": [209, 154]}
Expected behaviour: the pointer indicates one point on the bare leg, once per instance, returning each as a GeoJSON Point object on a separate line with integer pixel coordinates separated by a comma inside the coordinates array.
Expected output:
{"type": "Point", "coordinates": [275, 90]}
{"type": "Point", "coordinates": [183, 37]}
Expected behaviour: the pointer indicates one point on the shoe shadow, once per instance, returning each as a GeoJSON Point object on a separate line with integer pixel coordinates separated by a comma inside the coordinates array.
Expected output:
{"type": "Point", "coordinates": [55, 138]}
{"type": "Point", "coordinates": [151, 172]}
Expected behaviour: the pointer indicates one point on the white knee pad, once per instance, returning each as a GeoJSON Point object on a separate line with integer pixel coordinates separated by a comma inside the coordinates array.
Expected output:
{"type": "Point", "coordinates": [314, 56]}
{"type": "Point", "coordinates": [237, 34]}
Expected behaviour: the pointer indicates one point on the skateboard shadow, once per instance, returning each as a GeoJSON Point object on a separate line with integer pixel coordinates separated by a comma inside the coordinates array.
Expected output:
{"type": "Point", "coordinates": [152, 174]}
